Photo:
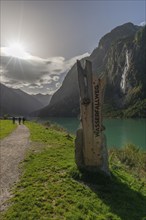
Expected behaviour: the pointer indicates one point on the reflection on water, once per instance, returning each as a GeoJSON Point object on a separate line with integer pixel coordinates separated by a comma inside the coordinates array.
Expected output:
{"type": "Point", "coordinates": [118, 131]}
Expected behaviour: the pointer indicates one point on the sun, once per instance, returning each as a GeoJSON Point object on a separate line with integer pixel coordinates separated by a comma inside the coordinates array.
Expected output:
{"type": "Point", "coordinates": [17, 50]}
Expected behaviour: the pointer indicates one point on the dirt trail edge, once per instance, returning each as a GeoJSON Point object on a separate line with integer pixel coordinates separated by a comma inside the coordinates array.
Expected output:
{"type": "Point", "coordinates": [12, 151]}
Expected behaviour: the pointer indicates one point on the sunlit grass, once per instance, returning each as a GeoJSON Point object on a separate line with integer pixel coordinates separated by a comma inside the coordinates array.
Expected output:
{"type": "Point", "coordinates": [51, 187]}
{"type": "Point", "coordinates": [6, 127]}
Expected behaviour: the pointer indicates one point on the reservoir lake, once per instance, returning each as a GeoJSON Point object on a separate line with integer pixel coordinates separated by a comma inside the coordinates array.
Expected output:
{"type": "Point", "coordinates": [119, 132]}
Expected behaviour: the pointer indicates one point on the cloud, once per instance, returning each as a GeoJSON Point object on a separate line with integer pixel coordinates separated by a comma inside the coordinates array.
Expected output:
{"type": "Point", "coordinates": [58, 85]}
{"type": "Point", "coordinates": [143, 23]}
{"type": "Point", "coordinates": [34, 74]}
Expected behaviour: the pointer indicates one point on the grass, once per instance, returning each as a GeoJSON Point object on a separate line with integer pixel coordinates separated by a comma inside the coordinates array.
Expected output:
{"type": "Point", "coordinates": [53, 126]}
{"type": "Point", "coordinates": [51, 187]}
{"type": "Point", "coordinates": [6, 127]}
{"type": "Point", "coordinates": [131, 158]}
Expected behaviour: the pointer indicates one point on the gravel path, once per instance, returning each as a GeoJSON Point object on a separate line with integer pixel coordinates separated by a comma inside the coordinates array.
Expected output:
{"type": "Point", "coordinates": [12, 151]}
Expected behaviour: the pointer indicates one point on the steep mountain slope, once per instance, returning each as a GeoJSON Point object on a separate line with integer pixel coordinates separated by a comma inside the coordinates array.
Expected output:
{"type": "Point", "coordinates": [16, 102]}
{"type": "Point", "coordinates": [43, 99]}
{"type": "Point", "coordinates": [66, 100]}
{"type": "Point", "coordinates": [121, 57]}
{"type": "Point", "coordinates": [126, 77]}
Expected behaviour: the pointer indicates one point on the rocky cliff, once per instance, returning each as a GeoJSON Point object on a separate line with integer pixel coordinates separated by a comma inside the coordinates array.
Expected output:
{"type": "Point", "coordinates": [120, 56]}
{"type": "Point", "coordinates": [125, 93]}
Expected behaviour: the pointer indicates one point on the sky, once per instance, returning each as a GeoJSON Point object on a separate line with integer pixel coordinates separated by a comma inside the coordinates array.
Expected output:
{"type": "Point", "coordinates": [53, 35]}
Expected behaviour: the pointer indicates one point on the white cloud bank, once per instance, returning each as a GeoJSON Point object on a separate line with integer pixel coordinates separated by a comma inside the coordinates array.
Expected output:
{"type": "Point", "coordinates": [143, 23]}
{"type": "Point", "coordinates": [34, 74]}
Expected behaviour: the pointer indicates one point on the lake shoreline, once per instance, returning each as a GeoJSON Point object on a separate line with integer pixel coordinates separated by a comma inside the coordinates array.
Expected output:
{"type": "Point", "coordinates": [119, 132]}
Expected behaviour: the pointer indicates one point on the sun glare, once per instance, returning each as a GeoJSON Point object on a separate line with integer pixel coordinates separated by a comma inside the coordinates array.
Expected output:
{"type": "Point", "coordinates": [17, 50]}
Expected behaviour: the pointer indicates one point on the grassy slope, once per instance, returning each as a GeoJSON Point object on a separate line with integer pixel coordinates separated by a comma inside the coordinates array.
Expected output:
{"type": "Point", "coordinates": [52, 188]}
{"type": "Point", "coordinates": [6, 127]}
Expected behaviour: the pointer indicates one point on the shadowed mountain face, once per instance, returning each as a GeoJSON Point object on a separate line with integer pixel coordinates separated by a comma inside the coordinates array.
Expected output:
{"type": "Point", "coordinates": [120, 56]}
{"type": "Point", "coordinates": [16, 102]}
{"type": "Point", "coordinates": [43, 99]}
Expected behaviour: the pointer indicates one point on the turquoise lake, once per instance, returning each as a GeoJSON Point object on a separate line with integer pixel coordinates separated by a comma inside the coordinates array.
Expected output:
{"type": "Point", "coordinates": [118, 131]}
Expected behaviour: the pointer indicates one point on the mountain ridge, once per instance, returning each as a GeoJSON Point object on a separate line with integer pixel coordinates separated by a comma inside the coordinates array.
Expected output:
{"type": "Point", "coordinates": [65, 102]}
{"type": "Point", "coordinates": [16, 102]}
{"type": "Point", "coordinates": [44, 99]}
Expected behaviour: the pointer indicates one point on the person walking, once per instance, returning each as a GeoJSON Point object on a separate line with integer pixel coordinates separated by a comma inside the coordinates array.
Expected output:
{"type": "Point", "coordinates": [19, 119]}
{"type": "Point", "coordinates": [13, 120]}
{"type": "Point", "coordinates": [23, 119]}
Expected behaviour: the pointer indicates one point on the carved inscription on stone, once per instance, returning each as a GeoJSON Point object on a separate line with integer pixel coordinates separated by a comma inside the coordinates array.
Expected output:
{"type": "Point", "coordinates": [91, 153]}
{"type": "Point", "coordinates": [96, 111]}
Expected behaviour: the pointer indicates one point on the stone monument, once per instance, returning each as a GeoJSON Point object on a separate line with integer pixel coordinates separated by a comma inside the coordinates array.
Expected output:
{"type": "Point", "coordinates": [90, 144]}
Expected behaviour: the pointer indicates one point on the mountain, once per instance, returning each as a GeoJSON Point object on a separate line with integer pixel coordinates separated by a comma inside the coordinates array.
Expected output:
{"type": "Point", "coordinates": [43, 99]}
{"type": "Point", "coordinates": [120, 56]}
{"type": "Point", "coordinates": [125, 93]}
{"type": "Point", "coordinates": [16, 102]}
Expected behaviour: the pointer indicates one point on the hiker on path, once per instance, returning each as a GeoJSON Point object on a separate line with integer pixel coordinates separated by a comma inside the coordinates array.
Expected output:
{"type": "Point", "coordinates": [13, 120]}
{"type": "Point", "coordinates": [19, 119]}
{"type": "Point", "coordinates": [23, 119]}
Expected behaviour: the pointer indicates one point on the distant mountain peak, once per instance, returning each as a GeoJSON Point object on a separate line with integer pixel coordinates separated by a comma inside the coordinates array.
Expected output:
{"type": "Point", "coordinates": [16, 102]}
{"type": "Point", "coordinates": [121, 31]}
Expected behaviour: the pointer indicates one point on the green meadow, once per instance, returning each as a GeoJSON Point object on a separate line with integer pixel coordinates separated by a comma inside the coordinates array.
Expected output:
{"type": "Point", "coordinates": [6, 127]}
{"type": "Point", "coordinates": [51, 187]}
